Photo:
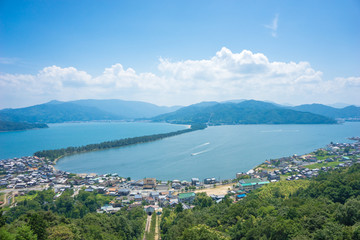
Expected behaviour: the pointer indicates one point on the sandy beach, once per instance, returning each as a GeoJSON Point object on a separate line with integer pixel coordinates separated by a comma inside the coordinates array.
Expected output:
{"type": "Point", "coordinates": [218, 190]}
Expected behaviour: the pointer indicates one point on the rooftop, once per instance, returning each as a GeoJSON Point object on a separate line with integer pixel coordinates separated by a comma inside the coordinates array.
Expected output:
{"type": "Point", "coordinates": [186, 195]}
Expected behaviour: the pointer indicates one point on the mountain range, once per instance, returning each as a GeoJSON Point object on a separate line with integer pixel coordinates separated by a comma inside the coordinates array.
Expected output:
{"type": "Point", "coordinates": [331, 112]}
{"type": "Point", "coordinates": [127, 109]}
{"type": "Point", "coordinates": [244, 112]}
{"type": "Point", "coordinates": [212, 113]}
{"type": "Point", "coordinates": [83, 110]}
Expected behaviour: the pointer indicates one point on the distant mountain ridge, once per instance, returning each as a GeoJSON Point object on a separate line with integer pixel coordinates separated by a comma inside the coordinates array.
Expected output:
{"type": "Point", "coordinates": [83, 110]}
{"type": "Point", "coordinates": [213, 113]}
{"type": "Point", "coordinates": [55, 112]}
{"type": "Point", "coordinates": [346, 112]}
{"type": "Point", "coordinates": [126, 109]}
{"type": "Point", "coordinates": [244, 112]}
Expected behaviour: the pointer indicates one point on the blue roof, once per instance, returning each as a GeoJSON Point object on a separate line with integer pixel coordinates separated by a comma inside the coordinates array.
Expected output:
{"type": "Point", "coordinates": [241, 195]}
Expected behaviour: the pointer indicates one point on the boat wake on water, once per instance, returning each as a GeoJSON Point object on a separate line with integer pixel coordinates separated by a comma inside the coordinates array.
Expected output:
{"type": "Point", "coordinates": [201, 145]}
{"type": "Point", "coordinates": [197, 153]}
{"type": "Point", "coordinates": [279, 130]}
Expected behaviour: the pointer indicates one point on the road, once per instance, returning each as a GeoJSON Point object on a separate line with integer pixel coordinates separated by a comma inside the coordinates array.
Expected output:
{"type": "Point", "coordinates": [38, 188]}
{"type": "Point", "coordinates": [5, 200]}
{"type": "Point", "coordinates": [147, 226]}
{"type": "Point", "coordinates": [157, 229]}
{"type": "Point", "coordinates": [76, 191]}
{"type": "Point", "coordinates": [9, 197]}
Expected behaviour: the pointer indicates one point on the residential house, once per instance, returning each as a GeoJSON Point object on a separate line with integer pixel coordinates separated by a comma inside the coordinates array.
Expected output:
{"type": "Point", "coordinates": [186, 197]}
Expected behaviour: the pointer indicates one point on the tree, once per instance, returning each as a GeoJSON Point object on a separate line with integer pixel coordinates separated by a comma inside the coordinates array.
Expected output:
{"type": "Point", "coordinates": [2, 218]}
{"type": "Point", "coordinates": [25, 233]}
{"type": "Point", "coordinates": [179, 208]}
{"type": "Point", "coordinates": [38, 225]}
{"type": "Point", "coordinates": [202, 201]}
{"type": "Point", "coordinates": [347, 149]}
{"type": "Point", "coordinates": [202, 232]}
{"type": "Point", "coordinates": [349, 213]}
{"type": "Point", "coordinates": [356, 233]}
{"type": "Point", "coordinates": [6, 235]}
{"type": "Point", "coordinates": [60, 232]}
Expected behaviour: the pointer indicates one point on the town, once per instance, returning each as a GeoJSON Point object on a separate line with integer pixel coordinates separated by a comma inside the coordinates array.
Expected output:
{"type": "Point", "coordinates": [19, 176]}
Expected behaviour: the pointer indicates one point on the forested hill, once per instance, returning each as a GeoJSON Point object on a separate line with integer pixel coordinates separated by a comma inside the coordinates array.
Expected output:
{"type": "Point", "coordinates": [212, 113]}
{"type": "Point", "coordinates": [83, 110]}
{"type": "Point", "coordinates": [346, 112]}
{"type": "Point", "coordinates": [126, 109]}
{"type": "Point", "coordinates": [55, 112]}
{"type": "Point", "coordinates": [17, 126]}
{"type": "Point", "coordinates": [327, 207]}
{"type": "Point", "coordinates": [246, 112]}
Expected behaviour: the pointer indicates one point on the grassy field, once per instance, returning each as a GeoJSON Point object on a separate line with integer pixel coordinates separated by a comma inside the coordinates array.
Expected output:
{"type": "Point", "coordinates": [282, 188]}
{"type": "Point", "coordinates": [264, 166]}
{"type": "Point", "coordinates": [325, 164]}
{"type": "Point", "coordinates": [325, 157]}
{"type": "Point", "coordinates": [2, 195]}
{"type": "Point", "coordinates": [25, 197]}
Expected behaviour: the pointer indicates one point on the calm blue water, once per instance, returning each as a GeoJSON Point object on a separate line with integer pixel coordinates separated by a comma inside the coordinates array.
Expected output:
{"type": "Point", "coordinates": [214, 152]}
{"type": "Point", "coordinates": [25, 143]}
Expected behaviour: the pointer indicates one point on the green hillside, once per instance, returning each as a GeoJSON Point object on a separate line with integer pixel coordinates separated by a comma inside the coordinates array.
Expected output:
{"type": "Point", "coordinates": [83, 110]}
{"type": "Point", "coordinates": [55, 112]}
{"type": "Point", "coordinates": [246, 112]}
{"type": "Point", "coordinates": [16, 126]}
{"type": "Point", "coordinates": [126, 109]}
{"type": "Point", "coordinates": [327, 207]}
{"type": "Point", "coordinates": [331, 112]}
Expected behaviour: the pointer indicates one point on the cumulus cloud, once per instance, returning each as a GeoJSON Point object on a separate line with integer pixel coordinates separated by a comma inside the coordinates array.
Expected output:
{"type": "Point", "coordinates": [348, 82]}
{"type": "Point", "coordinates": [225, 76]}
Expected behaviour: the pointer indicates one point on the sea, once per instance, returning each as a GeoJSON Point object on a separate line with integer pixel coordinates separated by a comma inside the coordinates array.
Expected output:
{"type": "Point", "coordinates": [218, 151]}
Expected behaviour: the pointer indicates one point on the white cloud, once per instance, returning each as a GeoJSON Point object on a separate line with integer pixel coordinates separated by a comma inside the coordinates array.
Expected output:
{"type": "Point", "coordinates": [4, 60]}
{"type": "Point", "coordinates": [226, 75]}
{"type": "Point", "coordinates": [274, 26]}
{"type": "Point", "coordinates": [348, 82]}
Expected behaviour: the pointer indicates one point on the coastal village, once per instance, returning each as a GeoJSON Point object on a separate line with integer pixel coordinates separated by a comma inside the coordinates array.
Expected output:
{"type": "Point", "coordinates": [21, 175]}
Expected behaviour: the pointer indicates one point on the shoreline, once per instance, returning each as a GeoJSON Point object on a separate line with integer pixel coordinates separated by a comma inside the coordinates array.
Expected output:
{"type": "Point", "coordinates": [27, 129]}
{"type": "Point", "coordinates": [306, 166]}
{"type": "Point", "coordinates": [254, 170]}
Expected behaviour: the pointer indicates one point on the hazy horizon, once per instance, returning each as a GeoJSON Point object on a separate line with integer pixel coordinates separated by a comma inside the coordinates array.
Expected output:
{"type": "Point", "coordinates": [334, 105]}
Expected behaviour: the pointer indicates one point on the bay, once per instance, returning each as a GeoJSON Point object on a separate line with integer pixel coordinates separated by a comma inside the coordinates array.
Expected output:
{"type": "Point", "coordinates": [219, 151]}
{"type": "Point", "coordinates": [25, 143]}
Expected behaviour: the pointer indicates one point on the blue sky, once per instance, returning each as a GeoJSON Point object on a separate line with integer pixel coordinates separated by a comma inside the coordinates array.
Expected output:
{"type": "Point", "coordinates": [179, 52]}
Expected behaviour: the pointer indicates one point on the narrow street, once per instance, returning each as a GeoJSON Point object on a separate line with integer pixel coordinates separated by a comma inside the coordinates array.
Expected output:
{"type": "Point", "coordinates": [157, 228]}
{"type": "Point", "coordinates": [147, 226]}
{"type": "Point", "coordinates": [5, 200]}
{"type": "Point", "coordinates": [9, 198]}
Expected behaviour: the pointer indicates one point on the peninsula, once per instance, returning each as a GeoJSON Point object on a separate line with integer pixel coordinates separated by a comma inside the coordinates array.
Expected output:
{"type": "Point", "coordinates": [53, 155]}
{"type": "Point", "coordinates": [6, 126]}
